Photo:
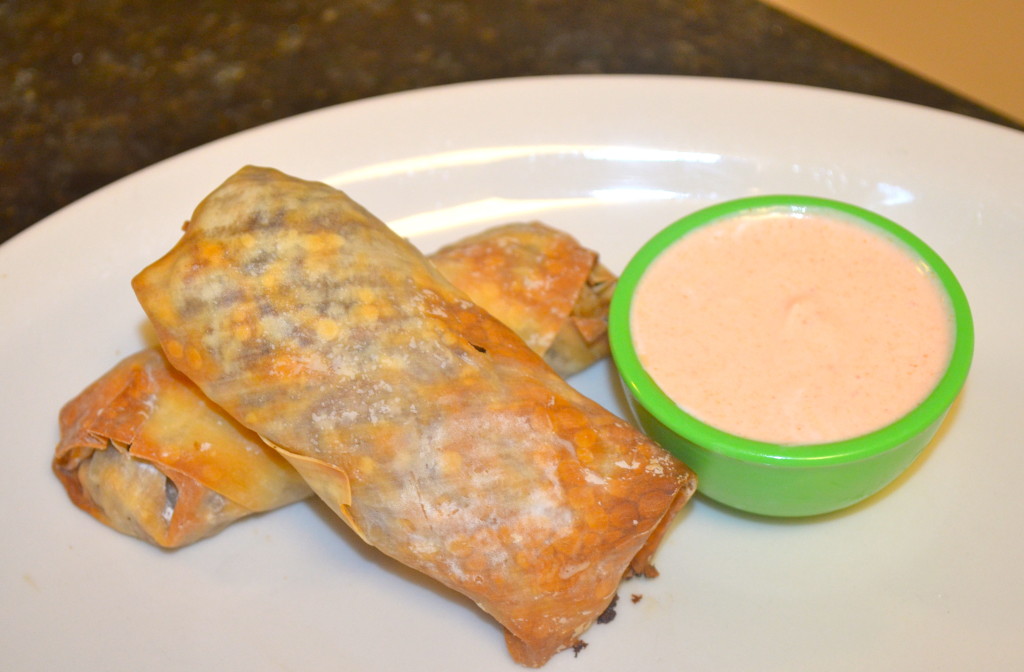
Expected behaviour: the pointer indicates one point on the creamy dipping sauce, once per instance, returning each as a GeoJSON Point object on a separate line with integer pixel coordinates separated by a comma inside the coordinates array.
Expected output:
{"type": "Point", "coordinates": [792, 328]}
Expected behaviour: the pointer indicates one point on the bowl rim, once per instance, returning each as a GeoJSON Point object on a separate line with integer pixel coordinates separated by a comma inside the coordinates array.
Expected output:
{"type": "Point", "coordinates": [646, 392]}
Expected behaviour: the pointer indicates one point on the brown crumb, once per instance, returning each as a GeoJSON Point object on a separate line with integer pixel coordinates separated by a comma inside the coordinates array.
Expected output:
{"type": "Point", "coordinates": [648, 572]}
{"type": "Point", "coordinates": [577, 647]}
{"type": "Point", "coordinates": [636, 598]}
{"type": "Point", "coordinates": [609, 614]}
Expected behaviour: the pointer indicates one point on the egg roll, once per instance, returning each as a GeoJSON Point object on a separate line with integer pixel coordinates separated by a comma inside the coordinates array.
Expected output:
{"type": "Point", "coordinates": [536, 279]}
{"type": "Point", "coordinates": [422, 421]}
{"type": "Point", "coordinates": [540, 281]}
{"type": "Point", "coordinates": [145, 452]}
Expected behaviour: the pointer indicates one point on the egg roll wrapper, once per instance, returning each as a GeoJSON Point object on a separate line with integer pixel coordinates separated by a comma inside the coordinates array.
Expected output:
{"type": "Point", "coordinates": [144, 451]}
{"type": "Point", "coordinates": [426, 424]}
{"type": "Point", "coordinates": [121, 486]}
{"type": "Point", "coordinates": [542, 283]}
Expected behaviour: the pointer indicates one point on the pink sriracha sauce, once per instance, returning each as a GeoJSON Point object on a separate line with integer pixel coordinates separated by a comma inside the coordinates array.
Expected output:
{"type": "Point", "coordinates": [792, 329]}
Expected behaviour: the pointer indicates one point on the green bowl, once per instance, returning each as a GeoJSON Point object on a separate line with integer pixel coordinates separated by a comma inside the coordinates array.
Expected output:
{"type": "Point", "coordinates": [767, 478]}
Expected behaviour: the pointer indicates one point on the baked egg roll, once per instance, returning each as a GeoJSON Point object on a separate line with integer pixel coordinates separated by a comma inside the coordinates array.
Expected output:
{"type": "Point", "coordinates": [426, 424]}
{"type": "Point", "coordinates": [145, 452]}
{"type": "Point", "coordinates": [540, 281]}
{"type": "Point", "coordinates": [536, 279]}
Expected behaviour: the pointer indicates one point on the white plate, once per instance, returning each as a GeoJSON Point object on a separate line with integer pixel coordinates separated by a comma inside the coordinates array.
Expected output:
{"type": "Point", "coordinates": [925, 576]}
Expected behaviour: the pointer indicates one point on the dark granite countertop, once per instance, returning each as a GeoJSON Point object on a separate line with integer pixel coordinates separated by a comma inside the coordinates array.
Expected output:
{"type": "Point", "coordinates": [93, 91]}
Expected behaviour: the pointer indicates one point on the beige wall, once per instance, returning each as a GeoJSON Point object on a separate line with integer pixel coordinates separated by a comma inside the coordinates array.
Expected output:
{"type": "Point", "coordinates": [973, 47]}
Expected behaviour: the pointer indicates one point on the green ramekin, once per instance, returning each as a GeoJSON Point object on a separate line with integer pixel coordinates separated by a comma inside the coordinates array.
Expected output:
{"type": "Point", "coordinates": [767, 478]}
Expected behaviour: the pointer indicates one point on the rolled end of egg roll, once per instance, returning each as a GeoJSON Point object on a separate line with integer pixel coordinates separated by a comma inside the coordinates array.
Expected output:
{"type": "Point", "coordinates": [542, 283]}
{"type": "Point", "coordinates": [426, 424]}
{"type": "Point", "coordinates": [143, 451]}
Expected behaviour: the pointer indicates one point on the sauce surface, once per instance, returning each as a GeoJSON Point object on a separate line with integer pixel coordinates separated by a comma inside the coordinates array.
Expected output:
{"type": "Point", "coordinates": [792, 329]}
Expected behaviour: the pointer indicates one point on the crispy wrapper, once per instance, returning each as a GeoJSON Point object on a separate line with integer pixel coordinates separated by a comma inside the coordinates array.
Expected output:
{"type": "Point", "coordinates": [540, 281]}
{"type": "Point", "coordinates": [426, 424]}
{"type": "Point", "coordinates": [505, 269]}
{"type": "Point", "coordinates": [146, 453]}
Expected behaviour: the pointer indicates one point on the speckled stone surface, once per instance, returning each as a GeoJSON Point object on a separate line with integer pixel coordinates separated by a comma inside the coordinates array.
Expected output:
{"type": "Point", "coordinates": [93, 91]}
